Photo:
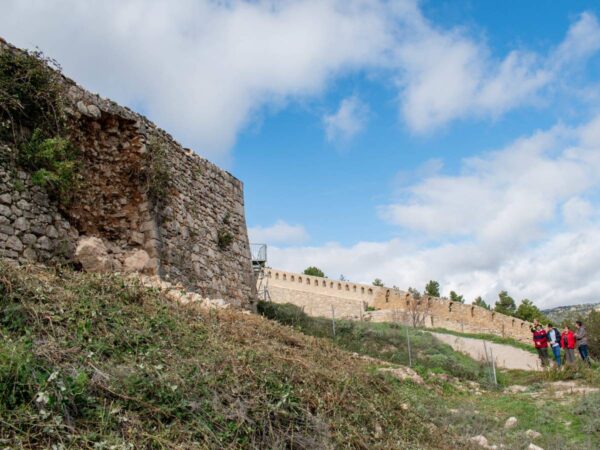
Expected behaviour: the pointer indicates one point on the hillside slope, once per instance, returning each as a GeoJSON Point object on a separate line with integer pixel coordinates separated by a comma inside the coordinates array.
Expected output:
{"type": "Point", "coordinates": [571, 312]}
{"type": "Point", "coordinates": [101, 362]}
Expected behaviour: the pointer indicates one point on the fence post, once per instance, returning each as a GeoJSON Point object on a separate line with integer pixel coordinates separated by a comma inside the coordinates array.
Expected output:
{"type": "Point", "coordinates": [493, 366]}
{"type": "Point", "coordinates": [333, 320]}
{"type": "Point", "coordinates": [409, 352]}
{"type": "Point", "coordinates": [487, 359]}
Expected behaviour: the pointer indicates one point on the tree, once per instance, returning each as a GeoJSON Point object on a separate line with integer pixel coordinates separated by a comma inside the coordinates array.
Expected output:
{"type": "Point", "coordinates": [377, 282]}
{"type": "Point", "coordinates": [528, 311]}
{"type": "Point", "coordinates": [432, 288]}
{"type": "Point", "coordinates": [343, 278]}
{"type": "Point", "coordinates": [481, 302]}
{"type": "Point", "coordinates": [505, 304]}
{"type": "Point", "coordinates": [414, 292]}
{"type": "Point", "coordinates": [592, 326]}
{"type": "Point", "coordinates": [314, 271]}
{"type": "Point", "coordinates": [417, 310]}
{"type": "Point", "coordinates": [454, 297]}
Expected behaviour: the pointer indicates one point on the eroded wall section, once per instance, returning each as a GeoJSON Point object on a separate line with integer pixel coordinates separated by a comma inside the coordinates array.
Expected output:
{"type": "Point", "coordinates": [150, 204]}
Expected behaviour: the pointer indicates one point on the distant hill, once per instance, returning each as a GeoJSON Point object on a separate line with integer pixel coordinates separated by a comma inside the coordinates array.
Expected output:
{"type": "Point", "coordinates": [561, 313]}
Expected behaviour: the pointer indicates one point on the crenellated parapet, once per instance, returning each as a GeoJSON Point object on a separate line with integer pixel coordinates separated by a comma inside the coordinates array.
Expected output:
{"type": "Point", "coordinates": [347, 300]}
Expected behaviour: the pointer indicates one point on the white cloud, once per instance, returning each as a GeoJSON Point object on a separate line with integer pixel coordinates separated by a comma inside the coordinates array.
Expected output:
{"type": "Point", "coordinates": [203, 69]}
{"type": "Point", "coordinates": [348, 121]}
{"type": "Point", "coordinates": [280, 232]}
{"type": "Point", "coordinates": [521, 218]}
{"type": "Point", "coordinates": [447, 75]}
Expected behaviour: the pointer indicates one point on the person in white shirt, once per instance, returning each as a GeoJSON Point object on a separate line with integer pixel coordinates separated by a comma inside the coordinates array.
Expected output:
{"type": "Point", "coordinates": [554, 341]}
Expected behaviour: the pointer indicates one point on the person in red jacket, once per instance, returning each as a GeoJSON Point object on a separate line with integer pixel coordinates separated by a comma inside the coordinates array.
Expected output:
{"type": "Point", "coordinates": [567, 342]}
{"type": "Point", "coordinates": [540, 340]}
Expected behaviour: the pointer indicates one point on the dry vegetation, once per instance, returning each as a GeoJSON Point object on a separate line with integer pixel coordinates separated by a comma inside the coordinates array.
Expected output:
{"type": "Point", "coordinates": [101, 362]}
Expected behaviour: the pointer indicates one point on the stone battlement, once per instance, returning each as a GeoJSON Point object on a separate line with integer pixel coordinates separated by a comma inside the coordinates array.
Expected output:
{"type": "Point", "coordinates": [318, 296]}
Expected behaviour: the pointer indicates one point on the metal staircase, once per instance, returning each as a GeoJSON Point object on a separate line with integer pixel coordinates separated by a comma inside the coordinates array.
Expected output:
{"type": "Point", "coordinates": [259, 262]}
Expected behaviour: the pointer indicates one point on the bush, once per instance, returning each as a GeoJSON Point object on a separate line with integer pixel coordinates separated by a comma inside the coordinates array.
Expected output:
{"type": "Point", "coordinates": [30, 95]}
{"type": "Point", "coordinates": [52, 163]}
{"type": "Point", "coordinates": [156, 172]}
{"type": "Point", "coordinates": [380, 340]}
{"type": "Point", "coordinates": [32, 119]}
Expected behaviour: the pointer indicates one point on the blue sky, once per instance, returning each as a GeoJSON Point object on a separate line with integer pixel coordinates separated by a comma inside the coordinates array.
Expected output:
{"type": "Point", "coordinates": [405, 140]}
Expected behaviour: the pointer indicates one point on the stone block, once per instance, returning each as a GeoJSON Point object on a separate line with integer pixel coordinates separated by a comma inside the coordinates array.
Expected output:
{"type": "Point", "coordinates": [21, 224]}
{"type": "Point", "coordinates": [92, 255]}
{"type": "Point", "coordinates": [14, 243]}
{"type": "Point", "coordinates": [136, 261]}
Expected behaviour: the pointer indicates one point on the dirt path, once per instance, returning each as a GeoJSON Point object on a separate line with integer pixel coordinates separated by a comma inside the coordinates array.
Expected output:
{"type": "Point", "coordinates": [506, 356]}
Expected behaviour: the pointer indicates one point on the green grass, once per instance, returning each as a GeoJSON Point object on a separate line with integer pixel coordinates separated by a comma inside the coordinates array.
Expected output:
{"type": "Point", "coordinates": [91, 361]}
{"type": "Point", "coordinates": [571, 423]}
{"type": "Point", "coordinates": [385, 341]}
{"type": "Point", "coordinates": [463, 411]}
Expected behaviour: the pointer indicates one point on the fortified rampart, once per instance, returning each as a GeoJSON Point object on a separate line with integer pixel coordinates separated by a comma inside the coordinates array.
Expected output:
{"type": "Point", "coordinates": [354, 301]}
{"type": "Point", "coordinates": [152, 205]}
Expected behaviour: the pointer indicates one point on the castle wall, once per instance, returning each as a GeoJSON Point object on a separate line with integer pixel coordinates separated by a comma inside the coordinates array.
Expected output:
{"type": "Point", "coordinates": [31, 227]}
{"type": "Point", "coordinates": [318, 295]}
{"type": "Point", "coordinates": [352, 300]}
{"type": "Point", "coordinates": [192, 231]}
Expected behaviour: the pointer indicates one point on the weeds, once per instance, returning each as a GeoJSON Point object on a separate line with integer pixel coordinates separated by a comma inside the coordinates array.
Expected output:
{"type": "Point", "coordinates": [32, 120]}
{"type": "Point", "coordinates": [52, 163]}
{"type": "Point", "coordinates": [156, 171]}
{"type": "Point", "coordinates": [97, 361]}
{"type": "Point", "coordinates": [380, 340]}
{"type": "Point", "coordinates": [224, 239]}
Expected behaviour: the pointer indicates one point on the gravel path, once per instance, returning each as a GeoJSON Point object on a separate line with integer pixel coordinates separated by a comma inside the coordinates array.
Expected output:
{"type": "Point", "coordinates": [506, 356]}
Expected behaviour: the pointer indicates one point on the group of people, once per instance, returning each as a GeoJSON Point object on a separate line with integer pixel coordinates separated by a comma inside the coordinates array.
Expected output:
{"type": "Point", "coordinates": [567, 341]}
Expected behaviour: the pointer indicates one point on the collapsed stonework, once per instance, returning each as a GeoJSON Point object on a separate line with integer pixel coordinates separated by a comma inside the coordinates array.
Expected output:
{"type": "Point", "coordinates": [323, 297]}
{"type": "Point", "coordinates": [144, 204]}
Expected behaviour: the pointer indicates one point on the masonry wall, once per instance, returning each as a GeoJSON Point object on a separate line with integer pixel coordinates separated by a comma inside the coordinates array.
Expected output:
{"type": "Point", "coordinates": [319, 295]}
{"type": "Point", "coordinates": [175, 236]}
{"type": "Point", "coordinates": [31, 227]}
{"type": "Point", "coordinates": [352, 301]}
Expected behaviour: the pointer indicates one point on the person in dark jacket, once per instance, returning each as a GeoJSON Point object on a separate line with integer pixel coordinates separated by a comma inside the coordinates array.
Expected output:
{"type": "Point", "coordinates": [553, 336]}
{"type": "Point", "coordinates": [582, 341]}
{"type": "Point", "coordinates": [567, 342]}
{"type": "Point", "coordinates": [540, 340]}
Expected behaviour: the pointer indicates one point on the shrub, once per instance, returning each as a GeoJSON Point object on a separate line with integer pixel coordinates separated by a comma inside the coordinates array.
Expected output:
{"type": "Point", "coordinates": [32, 119]}
{"type": "Point", "coordinates": [30, 96]}
{"type": "Point", "coordinates": [156, 171]}
{"type": "Point", "coordinates": [52, 163]}
{"type": "Point", "coordinates": [224, 239]}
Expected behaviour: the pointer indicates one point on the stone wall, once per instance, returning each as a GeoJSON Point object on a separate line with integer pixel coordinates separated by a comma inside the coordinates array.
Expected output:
{"type": "Point", "coordinates": [189, 230]}
{"type": "Point", "coordinates": [31, 227]}
{"type": "Point", "coordinates": [356, 301]}
{"type": "Point", "coordinates": [318, 295]}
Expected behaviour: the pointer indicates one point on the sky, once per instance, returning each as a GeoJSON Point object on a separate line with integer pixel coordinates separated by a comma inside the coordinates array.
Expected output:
{"type": "Point", "coordinates": [404, 140]}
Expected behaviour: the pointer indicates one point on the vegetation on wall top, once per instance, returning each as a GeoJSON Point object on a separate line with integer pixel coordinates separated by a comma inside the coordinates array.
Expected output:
{"type": "Point", "coordinates": [32, 120]}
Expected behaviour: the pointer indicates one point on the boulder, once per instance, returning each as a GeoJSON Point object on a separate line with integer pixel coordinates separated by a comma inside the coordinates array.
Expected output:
{"type": "Point", "coordinates": [480, 440]}
{"type": "Point", "coordinates": [92, 255]}
{"type": "Point", "coordinates": [534, 447]}
{"type": "Point", "coordinates": [532, 434]}
{"type": "Point", "coordinates": [510, 423]}
{"type": "Point", "coordinates": [136, 261]}
{"type": "Point", "coordinates": [403, 373]}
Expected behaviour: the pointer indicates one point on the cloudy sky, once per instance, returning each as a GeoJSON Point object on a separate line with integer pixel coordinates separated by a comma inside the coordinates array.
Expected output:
{"type": "Point", "coordinates": [406, 140]}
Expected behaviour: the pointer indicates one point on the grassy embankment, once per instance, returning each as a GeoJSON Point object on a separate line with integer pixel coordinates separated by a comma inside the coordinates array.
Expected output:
{"type": "Point", "coordinates": [97, 362]}
{"type": "Point", "coordinates": [564, 420]}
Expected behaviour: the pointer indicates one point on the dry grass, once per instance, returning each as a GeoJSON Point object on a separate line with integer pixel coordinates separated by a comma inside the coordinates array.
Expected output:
{"type": "Point", "coordinates": [94, 362]}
